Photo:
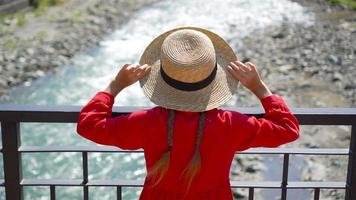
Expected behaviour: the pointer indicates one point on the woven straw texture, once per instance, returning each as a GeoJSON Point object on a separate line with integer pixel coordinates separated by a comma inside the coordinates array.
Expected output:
{"type": "Point", "coordinates": [218, 92]}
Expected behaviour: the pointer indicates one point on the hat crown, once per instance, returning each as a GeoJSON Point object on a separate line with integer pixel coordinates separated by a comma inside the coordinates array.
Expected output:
{"type": "Point", "coordinates": [188, 56]}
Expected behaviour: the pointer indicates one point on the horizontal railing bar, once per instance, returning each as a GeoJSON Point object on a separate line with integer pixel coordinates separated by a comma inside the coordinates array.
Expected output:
{"type": "Point", "coordinates": [79, 182]}
{"type": "Point", "coordinates": [124, 183]}
{"type": "Point", "coordinates": [290, 184]}
{"type": "Point", "coordinates": [49, 182]}
{"type": "Point", "coordinates": [139, 183]}
{"type": "Point", "coordinates": [33, 113]}
{"type": "Point", "coordinates": [98, 149]}
{"type": "Point", "coordinates": [317, 184]}
{"type": "Point", "coordinates": [256, 184]}
{"type": "Point", "coordinates": [297, 151]}
{"type": "Point", "coordinates": [69, 114]}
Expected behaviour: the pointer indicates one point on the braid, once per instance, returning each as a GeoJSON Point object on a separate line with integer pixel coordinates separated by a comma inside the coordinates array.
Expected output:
{"type": "Point", "coordinates": [159, 169]}
{"type": "Point", "coordinates": [170, 124]}
{"type": "Point", "coordinates": [194, 165]}
{"type": "Point", "coordinates": [200, 130]}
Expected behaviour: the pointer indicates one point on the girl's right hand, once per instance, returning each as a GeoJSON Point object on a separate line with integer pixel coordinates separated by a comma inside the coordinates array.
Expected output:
{"type": "Point", "coordinates": [128, 74]}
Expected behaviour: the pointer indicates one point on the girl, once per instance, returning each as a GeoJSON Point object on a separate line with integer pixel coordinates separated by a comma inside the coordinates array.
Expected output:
{"type": "Point", "coordinates": [188, 142]}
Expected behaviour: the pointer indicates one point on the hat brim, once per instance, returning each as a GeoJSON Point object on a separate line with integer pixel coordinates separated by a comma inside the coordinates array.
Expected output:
{"type": "Point", "coordinates": [218, 92]}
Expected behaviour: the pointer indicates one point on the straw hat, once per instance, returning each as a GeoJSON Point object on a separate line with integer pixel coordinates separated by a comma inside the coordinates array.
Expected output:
{"type": "Point", "coordinates": [189, 70]}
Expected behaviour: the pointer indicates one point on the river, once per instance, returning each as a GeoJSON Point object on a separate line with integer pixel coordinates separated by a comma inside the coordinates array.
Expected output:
{"type": "Point", "coordinates": [92, 69]}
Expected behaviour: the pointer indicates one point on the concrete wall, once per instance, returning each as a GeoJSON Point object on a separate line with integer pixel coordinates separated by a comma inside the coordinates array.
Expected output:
{"type": "Point", "coordinates": [10, 6]}
{"type": "Point", "coordinates": [4, 1]}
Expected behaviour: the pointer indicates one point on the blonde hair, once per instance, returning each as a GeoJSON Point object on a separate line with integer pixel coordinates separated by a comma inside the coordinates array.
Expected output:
{"type": "Point", "coordinates": [159, 169]}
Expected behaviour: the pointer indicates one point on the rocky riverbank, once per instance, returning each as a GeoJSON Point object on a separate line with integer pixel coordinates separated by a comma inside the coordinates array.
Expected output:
{"type": "Point", "coordinates": [310, 66]}
{"type": "Point", "coordinates": [45, 42]}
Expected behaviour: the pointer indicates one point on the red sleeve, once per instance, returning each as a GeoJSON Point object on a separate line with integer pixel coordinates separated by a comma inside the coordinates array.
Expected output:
{"type": "Point", "coordinates": [278, 126]}
{"type": "Point", "coordinates": [96, 124]}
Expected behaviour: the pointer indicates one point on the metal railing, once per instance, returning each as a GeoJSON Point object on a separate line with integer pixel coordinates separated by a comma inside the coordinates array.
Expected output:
{"type": "Point", "coordinates": [11, 116]}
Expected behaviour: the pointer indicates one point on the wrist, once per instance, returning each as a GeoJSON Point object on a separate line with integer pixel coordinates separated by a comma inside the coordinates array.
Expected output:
{"type": "Point", "coordinates": [261, 90]}
{"type": "Point", "coordinates": [114, 88]}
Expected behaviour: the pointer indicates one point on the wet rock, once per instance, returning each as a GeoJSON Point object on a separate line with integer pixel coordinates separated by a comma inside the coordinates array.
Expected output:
{"type": "Point", "coordinates": [32, 62]}
{"type": "Point", "coordinates": [334, 59]}
{"type": "Point", "coordinates": [336, 163]}
{"type": "Point", "coordinates": [57, 45]}
{"type": "Point", "coordinates": [10, 55]}
{"type": "Point", "coordinates": [21, 60]}
{"type": "Point", "coordinates": [350, 87]}
{"type": "Point", "coordinates": [9, 67]}
{"type": "Point", "coordinates": [337, 77]}
{"type": "Point", "coordinates": [279, 35]}
{"type": "Point", "coordinates": [11, 80]}
{"type": "Point", "coordinates": [39, 73]}
{"type": "Point", "coordinates": [320, 62]}
{"type": "Point", "coordinates": [304, 64]}
{"type": "Point", "coordinates": [30, 51]}
{"type": "Point", "coordinates": [7, 22]}
{"type": "Point", "coordinates": [252, 169]}
{"type": "Point", "coordinates": [96, 20]}
{"type": "Point", "coordinates": [3, 82]}
{"type": "Point", "coordinates": [47, 49]}
{"type": "Point", "coordinates": [285, 69]}
{"type": "Point", "coordinates": [239, 195]}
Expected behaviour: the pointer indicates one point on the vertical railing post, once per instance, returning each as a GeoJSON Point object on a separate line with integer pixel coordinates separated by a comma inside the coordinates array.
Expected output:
{"type": "Point", "coordinates": [52, 189]}
{"type": "Point", "coordinates": [250, 193]}
{"type": "Point", "coordinates": [285, 176]}
{"type": "Point", "coordinates": [351, 172]}
{"type": "Point", "coordinates": [85, 175]}
{"type": "Point", "coordinates": [316, 193]}
{"type": "Point", "coordinates": [118, 192]}
{"type": "Point", "coordinates": [12, 159]}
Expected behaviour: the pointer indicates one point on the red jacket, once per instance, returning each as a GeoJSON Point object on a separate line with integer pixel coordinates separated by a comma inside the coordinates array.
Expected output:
{"type": "Point", "coordinates": [225, 133]}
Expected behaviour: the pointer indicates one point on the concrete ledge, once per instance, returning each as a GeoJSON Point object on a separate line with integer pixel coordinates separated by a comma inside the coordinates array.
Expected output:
{"type": "Point", "coordinates": [13, 6]}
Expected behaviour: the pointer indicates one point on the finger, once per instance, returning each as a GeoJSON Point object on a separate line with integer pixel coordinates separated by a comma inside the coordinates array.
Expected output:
{"type": "Point", "coordinates": [234, 66]}
{"type": "Point", "coordinates": [240, 72]}
{"type": "Point", "coordinates": [143, 67]}
{"type": "Point", "coordinates": [132, 67]}
{"type": "Point", "coordinates": [125, 66]}
{"type": "Point", "coordinates": [231, 69]}
{"type": "Point", "coordinates": [147, 69]}
{"type": "Point", "coordinates": [248, 67]}
{"type": "Point", "coordinates": [253, 67]}
{"type": "Point", "coordinates": [137, 69]}
{"type": "Point", "coordinates": [236, 74]}
{"type": "Point", "coordinates": [241, 66]}
{"type": "Point", "coordinates": [144, 72]}
{"type": "Point", "coordinates": [140, 69]}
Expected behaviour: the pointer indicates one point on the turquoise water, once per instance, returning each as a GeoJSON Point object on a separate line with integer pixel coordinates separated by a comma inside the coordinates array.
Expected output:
{"type": "Point", "coordinates": [91, 70]}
